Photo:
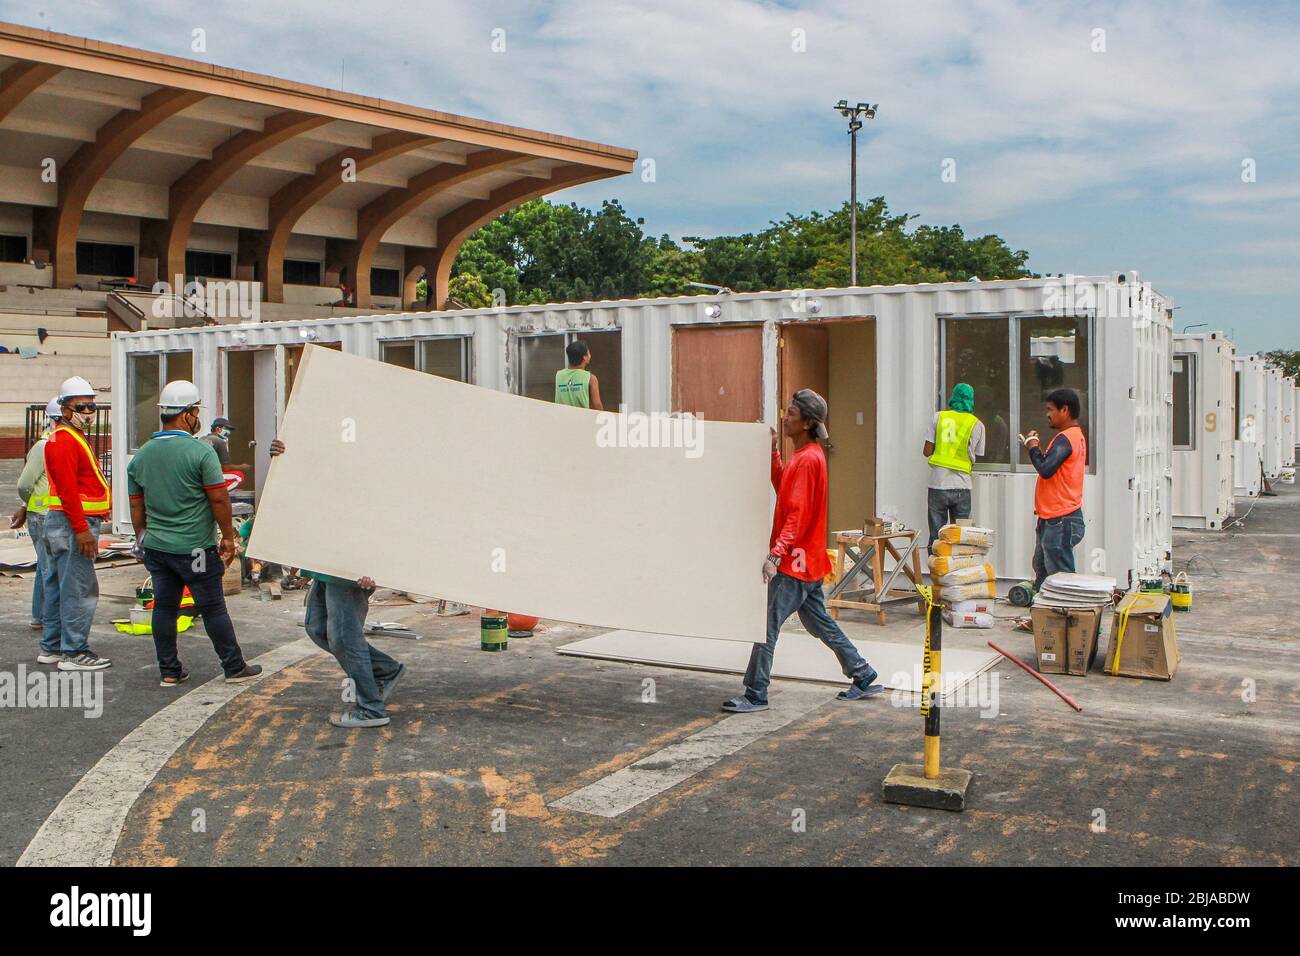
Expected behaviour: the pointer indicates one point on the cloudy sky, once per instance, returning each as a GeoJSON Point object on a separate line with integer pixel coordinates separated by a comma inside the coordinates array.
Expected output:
{"type": "Point", "coordinates": [1161, 137]}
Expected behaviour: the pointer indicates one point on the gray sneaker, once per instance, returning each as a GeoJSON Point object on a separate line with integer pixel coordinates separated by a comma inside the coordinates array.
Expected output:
{"type": "Point", "coordinates": [248, 673]}
{"type": "Point", "coordinates": [351, 720]}
{"type": "Point", "coordinates": [86, 660]}
{"type": "Point", "coordinates": [52, 657]}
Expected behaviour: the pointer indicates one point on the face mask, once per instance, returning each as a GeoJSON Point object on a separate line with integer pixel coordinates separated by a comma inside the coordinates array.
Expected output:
{"type": "Point", "coordinates": [83, 420]}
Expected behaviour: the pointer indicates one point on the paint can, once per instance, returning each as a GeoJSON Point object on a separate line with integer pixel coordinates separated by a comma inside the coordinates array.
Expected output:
{"type": "Point", "coordinates": [1180, 592]}
{"type": "Point", "coordinates": [1151, 585]}
{"type": "Point", "coordinates": [493, 631]}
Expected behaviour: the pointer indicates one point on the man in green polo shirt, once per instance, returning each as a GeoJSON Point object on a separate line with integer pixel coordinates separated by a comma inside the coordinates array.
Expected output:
{"type": "Point", "coordinates": [576, 385]}
{"type": "Point", "coordinates": [178, 500]}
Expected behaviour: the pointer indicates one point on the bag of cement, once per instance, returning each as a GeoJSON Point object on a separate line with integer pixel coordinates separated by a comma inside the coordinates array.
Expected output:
{"type": "Point", "coordinates": [943, 564]}
{"type": "Point", "coordinates": [967, 534]}
{"type": "Point", "coordinates": [984, 606]}
{"type": "Point", "coordinates": [968, 619]}
{"type": "Point", "coordinates": [966, 592]}
{"type": "Point", "coordinates": [947, 549]}
{"type": "Point", "coordinates": [972, 575]}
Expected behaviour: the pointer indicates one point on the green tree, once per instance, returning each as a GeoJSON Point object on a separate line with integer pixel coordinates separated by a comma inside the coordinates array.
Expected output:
{"type": "Point", "coordinates": [1287, 361]}
{"type": "Point", "coordinates": [470, 291]}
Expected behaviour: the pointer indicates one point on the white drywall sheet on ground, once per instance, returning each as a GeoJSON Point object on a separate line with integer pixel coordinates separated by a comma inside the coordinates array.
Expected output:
{"type": "Point", "coordinates": [436, 487]}
{"type": "Point", "coordinates": [799, 656]}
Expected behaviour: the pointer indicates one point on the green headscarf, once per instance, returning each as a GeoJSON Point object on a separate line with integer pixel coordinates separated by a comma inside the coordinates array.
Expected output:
{"type": "Point", "coordinates": [963, 398]}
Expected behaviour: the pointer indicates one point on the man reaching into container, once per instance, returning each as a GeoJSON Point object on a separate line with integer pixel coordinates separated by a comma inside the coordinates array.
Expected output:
{"type": "Point", "coordinates": [576, 385]}
{"type": "Point", "coordinates": [796, 563]}
{"type": "Point", "coordinates": [956, 441]}
{"type": "Point", "coordinates": [1058, 495]}
{"type": "Point", "coordinates": [178, 501]}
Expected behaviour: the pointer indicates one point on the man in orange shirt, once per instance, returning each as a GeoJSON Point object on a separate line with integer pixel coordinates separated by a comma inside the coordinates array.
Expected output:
{"type": "Point", "coordinates": [1058, 495]}
{"type": "Point", "coordinates": [796, 562]}
{"type": "Point", "coordinates": [79, 501]}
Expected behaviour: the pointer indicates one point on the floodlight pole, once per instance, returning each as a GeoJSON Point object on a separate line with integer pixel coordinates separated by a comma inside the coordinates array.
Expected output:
{"type": "Point", "coordinates": [853, 114]}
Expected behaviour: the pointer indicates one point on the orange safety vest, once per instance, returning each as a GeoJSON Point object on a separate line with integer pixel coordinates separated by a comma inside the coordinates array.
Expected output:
{"type": "Point", "coordinates": [1063, 492]}
{"type": "Point", "coordinates": [92, 504]}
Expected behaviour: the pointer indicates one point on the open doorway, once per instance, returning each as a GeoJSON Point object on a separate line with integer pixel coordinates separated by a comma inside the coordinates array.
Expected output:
{"type": "Point", "coordinates": [837, 359]}
{"type": "Point", "coordinates": [718, 374]}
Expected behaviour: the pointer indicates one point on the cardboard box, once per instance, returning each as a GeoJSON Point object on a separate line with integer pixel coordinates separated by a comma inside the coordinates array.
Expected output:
{"type": "Point", "coordinates": [1065, 639]}
{"type": "Point", "coordinates": [1143, 642]}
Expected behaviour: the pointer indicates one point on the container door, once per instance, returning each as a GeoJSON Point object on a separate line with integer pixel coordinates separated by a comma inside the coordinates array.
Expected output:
{"type": "Point", "coordinates": [718, 372]}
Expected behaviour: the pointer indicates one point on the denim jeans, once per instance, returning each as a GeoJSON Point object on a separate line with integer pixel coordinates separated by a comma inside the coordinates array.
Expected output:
{"type": "Point", "coordinates": [1054, 544]}
{"type": "Point", "coordinates": [787, 595]}
{"type": "Point", "coordinates": [202, 573]}
{"type": "Point", "coordinates": [336, 621]}
{"type": "Point", "coordinates": [71, 607]}
{"type": "Point", "coordinates": [46, 583]}
{"type": "Point", "coordinates": [946, 505]}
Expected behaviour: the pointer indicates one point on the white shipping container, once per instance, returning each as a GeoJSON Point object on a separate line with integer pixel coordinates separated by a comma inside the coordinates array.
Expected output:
{"type": "Point", "coordinates": [1248, 450]}
{"type": "Point", "coordinates": [1273, 416]}
{"type": "Point", "coordinates": [1288, 422]}
{"type": "Point", "coordinates": [1203, 415]}
{"type": "Point", "coordinates": [885, 353]}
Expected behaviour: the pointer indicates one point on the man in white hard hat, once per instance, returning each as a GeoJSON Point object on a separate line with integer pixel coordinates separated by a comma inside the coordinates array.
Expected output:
{"type": "Point", "coordinates": [178, 499]}
{"type": "Point", "coordinates": [33, 495]}
{"type": "Point", "coordinates": [79, 501]}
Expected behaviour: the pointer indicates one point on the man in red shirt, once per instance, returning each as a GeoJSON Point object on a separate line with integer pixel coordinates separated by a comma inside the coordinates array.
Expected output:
{"type": "Point", "coordinates": [79, 502]}
{"type": "Point", "coordinates": [796, 562]}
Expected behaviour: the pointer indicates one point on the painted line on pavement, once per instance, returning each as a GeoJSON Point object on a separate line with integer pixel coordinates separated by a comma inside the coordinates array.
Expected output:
{"type": "Point", "coordinates": [650, 776]}
{"type": "Point", "coordinates": [84, 828]}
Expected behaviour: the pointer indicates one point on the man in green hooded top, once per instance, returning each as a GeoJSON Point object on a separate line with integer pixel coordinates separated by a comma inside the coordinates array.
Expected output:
{"type": "Point", "coordinates": [954, 442]}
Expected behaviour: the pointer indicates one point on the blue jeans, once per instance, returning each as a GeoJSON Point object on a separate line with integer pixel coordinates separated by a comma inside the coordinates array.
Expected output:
{"type": "Point", "coordinates": [946, 505]}
{"type": "Point", "coordinates": [202, 574]}
{"type": "Point", "coordinates": [1054, 544]}
{"type": "Point", "coordinates": [46, 583]}
{"type": "Point", "coordinates": [70, 609]}
{"type": "Point", "coordinates": [787, 595]}
{"type": "Point", "coordinates": [336, 621]}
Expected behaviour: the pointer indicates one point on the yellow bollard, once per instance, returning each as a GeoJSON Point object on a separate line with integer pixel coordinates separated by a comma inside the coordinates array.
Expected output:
{"type": "Point", "coordinates": [929, 785]}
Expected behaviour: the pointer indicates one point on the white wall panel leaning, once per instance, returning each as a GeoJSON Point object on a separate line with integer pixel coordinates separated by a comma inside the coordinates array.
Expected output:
{"type": "Point", "coordinates": [1203, 414]}
{"type": "Point", "coordinates": [1273, 414]}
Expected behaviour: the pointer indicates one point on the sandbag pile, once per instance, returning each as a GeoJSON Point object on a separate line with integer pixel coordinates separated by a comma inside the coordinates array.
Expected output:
{"type": "Point", "coordinates": [961, 573]}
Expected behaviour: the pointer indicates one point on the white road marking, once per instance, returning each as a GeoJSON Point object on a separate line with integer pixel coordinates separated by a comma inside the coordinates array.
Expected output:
{"type": "Point", "coordinates": [634, 784]}
{"type": "Point", "coordinates": [83, 829]}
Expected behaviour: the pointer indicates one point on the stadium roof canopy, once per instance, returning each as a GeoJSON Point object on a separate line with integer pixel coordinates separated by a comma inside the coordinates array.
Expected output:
{"type": "Point", "coordinates": [91, 129]}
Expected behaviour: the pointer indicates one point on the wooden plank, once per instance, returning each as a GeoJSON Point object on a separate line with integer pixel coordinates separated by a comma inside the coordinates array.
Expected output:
{"type": "Point", "coordinates": [436, 487]}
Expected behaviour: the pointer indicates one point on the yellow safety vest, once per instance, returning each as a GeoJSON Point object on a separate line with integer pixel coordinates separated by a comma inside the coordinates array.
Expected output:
{"type": "Point", "coordinates": [37, 503]}
{"type": "Point", "coordinates": [96, 504]}
{"type": "Point", "coordinates": [952, 440]}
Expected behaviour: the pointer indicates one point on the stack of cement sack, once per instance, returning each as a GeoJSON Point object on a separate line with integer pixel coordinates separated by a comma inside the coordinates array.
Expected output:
{"type": "Point", "coordinates": [962, 575]}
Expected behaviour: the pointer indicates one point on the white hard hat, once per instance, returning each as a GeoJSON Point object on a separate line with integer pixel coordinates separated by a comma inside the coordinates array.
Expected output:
{"type": "Point", "coordinates": [54, 409]}
{"type": "Point", "coordinates": [75, 387]}
{"type": "Point", "coordinates": [178, 395]}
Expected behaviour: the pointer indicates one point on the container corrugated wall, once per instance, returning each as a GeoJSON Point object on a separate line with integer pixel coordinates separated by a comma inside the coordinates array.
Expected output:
{"type": "Point", "coordinates": [1248, 451]}
{"type": "Point", "coordinates": [1272, 424]}
{"type": "Point", "coordinates": [1288, 422]}
{"type": "Point", "coordinates": [1128, 501]}
{"type": "Point", "coordinates": [1203, 473]}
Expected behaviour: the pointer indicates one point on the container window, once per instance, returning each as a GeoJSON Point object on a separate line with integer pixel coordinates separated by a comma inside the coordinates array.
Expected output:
{"type": "Point", "coordinates": [976, 352]}
{"type": "Point", "coordinates": [398, 353]}
{"type": "Point", "coordinates": [1013, 363]}
{"type": "Point", "coordinates": [540, 357]}
{"type": "Point", "coordinates": [146, 374]}
{"type": "Point", "coordinates": [1053, 353]}
{"type": "Point", "coordinates": [447, 356]}
{"type": "Point", "coordinates": [1185, 401]}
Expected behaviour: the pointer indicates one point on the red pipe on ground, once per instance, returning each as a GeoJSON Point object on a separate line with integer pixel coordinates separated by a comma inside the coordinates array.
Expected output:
{"type": "Point", "coordinates": [1056, 690]}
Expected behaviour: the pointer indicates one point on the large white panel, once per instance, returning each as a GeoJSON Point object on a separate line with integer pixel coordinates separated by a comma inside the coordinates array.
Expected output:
{"type": "Point", "coordinates": [507, 502]}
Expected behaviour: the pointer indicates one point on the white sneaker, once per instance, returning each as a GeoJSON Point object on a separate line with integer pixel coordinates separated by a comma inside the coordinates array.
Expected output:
{"type": "Point", "coordinates": [51, 658]}
{"type": "Point", "coordinates": [87, 660]}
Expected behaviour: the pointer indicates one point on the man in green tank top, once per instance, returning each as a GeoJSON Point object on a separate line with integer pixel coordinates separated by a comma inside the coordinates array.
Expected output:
{"type": "Point", "coordinates": [575, 385]}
